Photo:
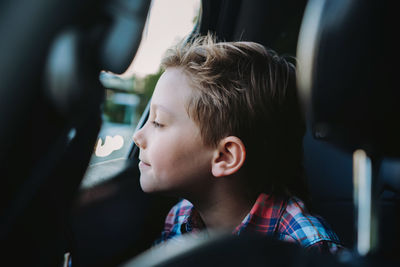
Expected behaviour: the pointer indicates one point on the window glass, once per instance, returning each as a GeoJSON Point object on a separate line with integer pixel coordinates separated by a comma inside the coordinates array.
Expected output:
{"type": "Point", "coordinates": [128, 93]}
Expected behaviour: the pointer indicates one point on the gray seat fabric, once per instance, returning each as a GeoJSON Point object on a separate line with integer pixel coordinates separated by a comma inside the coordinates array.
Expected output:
{"type": "Point", "coordinates": [329, 174]}
{"type": "Point", "coordinates": [350, 105]}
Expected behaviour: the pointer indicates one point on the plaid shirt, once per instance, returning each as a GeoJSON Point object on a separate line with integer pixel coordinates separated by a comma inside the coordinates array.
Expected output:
{"type": "Point", "coordinates": [285, 219]}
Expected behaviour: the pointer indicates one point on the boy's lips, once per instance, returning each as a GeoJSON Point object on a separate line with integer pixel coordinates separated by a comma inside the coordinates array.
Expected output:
{"type": "Point", "coordinates": [143, 164]}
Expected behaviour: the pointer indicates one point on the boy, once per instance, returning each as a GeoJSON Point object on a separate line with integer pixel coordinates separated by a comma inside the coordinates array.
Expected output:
{"type": "Point", "coordinates": [225, 133]}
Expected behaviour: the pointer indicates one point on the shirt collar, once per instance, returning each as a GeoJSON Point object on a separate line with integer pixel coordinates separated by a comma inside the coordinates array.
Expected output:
{"type": "Point", "coordinates": [263, 217]}
{"type": "Point", "coordinates": [193, 223]}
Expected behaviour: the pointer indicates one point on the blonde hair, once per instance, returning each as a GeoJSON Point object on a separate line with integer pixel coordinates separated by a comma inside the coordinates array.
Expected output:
{"type": "Point", "coordinates": [246, 90]}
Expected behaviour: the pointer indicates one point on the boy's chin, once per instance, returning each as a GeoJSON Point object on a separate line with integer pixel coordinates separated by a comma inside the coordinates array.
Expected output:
{"type": "Point", "coordinates": [154, 189]}
{"type": "Point", "coordinates": [148, 186]}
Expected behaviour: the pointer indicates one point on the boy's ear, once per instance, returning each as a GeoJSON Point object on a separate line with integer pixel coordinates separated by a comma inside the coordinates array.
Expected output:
{"type": "Point", "coordinates": [228, 157]}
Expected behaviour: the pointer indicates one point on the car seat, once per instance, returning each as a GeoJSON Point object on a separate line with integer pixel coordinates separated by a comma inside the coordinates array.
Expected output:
{"type": "Point", "coordinates": [351, 104]}
{"type": "Point", "coordinates": [51, 97]}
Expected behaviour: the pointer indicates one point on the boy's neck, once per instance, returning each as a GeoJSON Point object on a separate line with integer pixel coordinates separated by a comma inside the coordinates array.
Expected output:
{"type": "Point", "coordinates": [224, 207]}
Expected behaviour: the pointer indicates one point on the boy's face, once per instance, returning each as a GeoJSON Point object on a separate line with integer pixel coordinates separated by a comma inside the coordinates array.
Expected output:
{"type": "Point", "coordinates": [173, 156]}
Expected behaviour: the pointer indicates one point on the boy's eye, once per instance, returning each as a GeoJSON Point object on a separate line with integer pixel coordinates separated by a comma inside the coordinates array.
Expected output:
{"type": "Point", "coordinates": [156, 124]}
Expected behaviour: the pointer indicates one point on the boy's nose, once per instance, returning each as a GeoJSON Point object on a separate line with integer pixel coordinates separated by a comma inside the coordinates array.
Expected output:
{"type": "Point", "coordinates": [138, 139]}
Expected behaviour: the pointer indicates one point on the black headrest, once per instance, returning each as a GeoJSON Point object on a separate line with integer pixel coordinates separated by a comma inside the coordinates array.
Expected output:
{"type": "Point", "coordinates": [344, 75]}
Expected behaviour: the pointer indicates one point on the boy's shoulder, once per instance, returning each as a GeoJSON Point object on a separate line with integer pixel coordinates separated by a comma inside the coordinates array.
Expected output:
{"type": "Point", "coordinates": [298, 225]}
{"type": "Point", "coordinates": [285, 218]}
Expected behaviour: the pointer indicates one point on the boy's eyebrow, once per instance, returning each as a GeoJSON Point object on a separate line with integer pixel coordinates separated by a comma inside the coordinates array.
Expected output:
{"type": "Point", "coordinates": [161, 107]}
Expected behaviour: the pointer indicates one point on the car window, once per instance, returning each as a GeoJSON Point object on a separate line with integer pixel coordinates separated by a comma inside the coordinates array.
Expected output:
{"type": "Point", "coordinates": [127, 94]}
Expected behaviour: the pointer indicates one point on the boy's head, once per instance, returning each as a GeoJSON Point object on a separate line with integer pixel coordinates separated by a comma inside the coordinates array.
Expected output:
{"type": "Point", "coordinates": [242, 90]}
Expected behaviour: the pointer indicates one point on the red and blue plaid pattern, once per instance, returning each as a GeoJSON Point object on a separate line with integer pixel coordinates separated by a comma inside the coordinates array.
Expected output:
{"type": "Point", "coordinates": [285, 219]}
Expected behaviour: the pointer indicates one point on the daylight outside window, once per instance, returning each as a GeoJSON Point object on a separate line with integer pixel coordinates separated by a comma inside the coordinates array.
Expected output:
{"type": "Point", "coordinates": [168, 22]}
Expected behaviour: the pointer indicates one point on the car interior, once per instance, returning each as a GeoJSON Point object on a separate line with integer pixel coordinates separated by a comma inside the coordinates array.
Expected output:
{"type": "Point", "coordinates": [51, 114]}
